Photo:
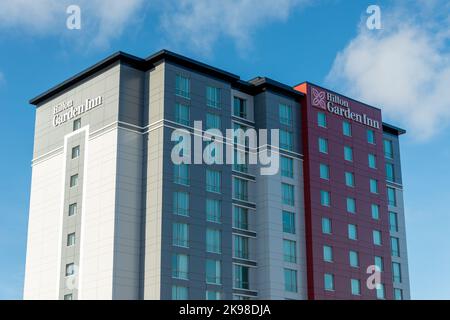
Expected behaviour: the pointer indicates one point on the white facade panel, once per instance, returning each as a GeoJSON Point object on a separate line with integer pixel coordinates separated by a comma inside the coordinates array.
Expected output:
{"type": "Point", "coordinates": [43, 230]}
{"type": "Point", "coordinates": [98, 219]}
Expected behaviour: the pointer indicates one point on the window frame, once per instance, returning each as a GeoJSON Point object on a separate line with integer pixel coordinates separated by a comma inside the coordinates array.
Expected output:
{"type": "Point", "coordinates": [179, 114]}
{"type": "Point", "coordinates": [180, 82]}
{"type": "Point", "coordinates": [290, 280]}
{"type": "Point", "coordinates": [71, 239]}
{"type": "Point", "coordinates": [286, 119]}
{"type": "Point", "coordinates": [216, 92]}
{"type": "Point", "coordinates": [322, 123]}
{"type": "Point", "coordinates": [347, 128]}
{"type": "Point", "coordinates": [216, 185]}
{"type": "Point", "coordinates": [73, 180]}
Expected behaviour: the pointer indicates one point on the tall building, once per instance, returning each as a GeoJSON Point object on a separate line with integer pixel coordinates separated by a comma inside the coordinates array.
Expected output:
{"type": "Point", "coordinates": [112, 216]}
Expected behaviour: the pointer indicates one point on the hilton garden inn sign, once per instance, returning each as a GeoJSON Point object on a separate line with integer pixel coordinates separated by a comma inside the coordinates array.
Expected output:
{"type": "Point", "coordinates": [66, 111]}
{"type": "Point", "coordinates": [335, 104]}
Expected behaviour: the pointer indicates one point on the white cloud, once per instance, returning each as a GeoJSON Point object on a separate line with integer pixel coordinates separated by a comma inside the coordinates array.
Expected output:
{"type": "Point", "coordinates": [111, 17]}
{"type": "Point", "coordinates": [197, 23]}
{"type": "Point", "coordinates": [403, 69]}
{"type": "Point", "coordinates": [2, 78]}
{"type": "Point", "coordinates": [201, 23]}
{"type": "Point", "coordinates": [36, 16]}
{"type": "Point", "coordinates": [102, 20]}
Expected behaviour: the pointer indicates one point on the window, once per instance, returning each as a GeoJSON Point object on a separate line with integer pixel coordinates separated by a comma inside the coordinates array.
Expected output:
{"type": "Point", "coordinates": [286, 141]}
{"type": "Point", "coordinates": [239, 134]}
{"type": "Point", "coordinates": [328, 280]}
{"type": "Point", "coordinates": [323, 145]}
{"type": "Point", "coordinates": [179, 293]}
{"type": "Point", "coordinates": [372, 161]}
{"type": "Point", "coordinates": [240, 220]}
{"type": "Point", "coordinates": [324, 198]}
{"type": "Point", "coordinates": [375, 211]}
{"type": "Point", "coordinates": [351, 205]}
{"type": "Point", "coordinates": [398, 294]}
{"type": "Point", "coordinates": [392, 200]}
{"type": "Point", "coordinates": [348, 153]}
{"type": "Point", "coordinates": [355, 286]}
{"type": "Point", "coordinates": [326, 225]}
{"type": "Point", "coordinates": [212, 121]}
{"type": "Point", "coordinates": [213, 181]}
{"type": "Point", "coordinates": [327, 254]}
{"type": "Point", "coordinates": [181, 203]}
{"type": "Point", "coordinates": [213, 241]}
{"type": "Point", "coordinates": [241, 276]}
{"type": "Point", "coordinates": [68, 296]}
{"type": "Point", "coordinates": [350, 179]}
{"type": "Point", "coordinates": [347, 128]}
{"type": "Point", "coordinates": [354, 259]}
{"type": "Point", "coordinates": [388, 149]}
{"type": "Point", "coordinates": [182, 86]}
{"type": "Point", "coordinates": [324, 171]}
{"type": "Point", "coordinates": [180, 234]}
{"type": "Point", "coordinates": [72, 209]}
{"type": "Point", "coordinates": [396, 272]}
{"type": "Point", "coordinates": [213, 210]}
{"type": "Point", "coordinates": [373, 186]}
{"type": "Point", "coordinates": [322, 119]}
{"type": "Point", "coordinates": [76, 124]}
{"type": "Point", "coordinates": [395, 247]}
{"type": "Point", "coordinates": [70, 269]}
{"type": "Point", "coordinates": [241, 247]}
{"type": "Point", "coordinates": [370, 136]}
{"type": "Point", "coordinates": [75, 152]}
{"type": "Point", "coordinates": [213, 271]}
{"type": "Point", "coordinates": [380, 291]}
{"type": "Point", "coordinates": [390, 172]}
{"type": "Point", "coordinates": [240, 189]}
{"type": "Point", "coordinates": [213, 97]}
{"type": "Point", "coordinates": [182, 114]}
{"type": "Point", "coordinates": [352, 232]}
{"type": "Point", "coordinates": [71, 239]}
{"type": "Point", "coordinates": [376, 237]}
{"type": "Point", "coordinates": [74, 180]}
{"type": "Point", "coordinates": [213, 295]}
{"type": "Point", "coordinates": [287, 194]}
{"type": "Point", "coordinates": [393, 221]}
{"type": "Point", "coordinates": [240, 160]}
{"type": "Point", "coordinates": [287, 167]}
{"type": "Point", "coordinates": [285, 113]}
{"type": "Point", "coordinates": [289, 251]}
{"type": "Point", "coordinates": [290, 280]}
{"type": "Point", "coordinates": [379, 263]}
{"type": "Point", "coordinates": [180, 265]}
{"type": "Point", "coordinates": [240, 107]}
{"type": "Point", "coordinates": [181, 173]}
{"type": "Point", "coordinates": [288, 222]}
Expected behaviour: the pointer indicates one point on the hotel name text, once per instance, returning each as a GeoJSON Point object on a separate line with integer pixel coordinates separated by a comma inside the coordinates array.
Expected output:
{"type": "Point", "coordinates": [341, 107]}
{"type": "Point", "coordinates": [66, 111]}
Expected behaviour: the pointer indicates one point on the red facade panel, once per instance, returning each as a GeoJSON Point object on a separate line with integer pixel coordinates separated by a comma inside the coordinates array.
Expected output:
{"type": "Point", "coordinates": [338, 108]}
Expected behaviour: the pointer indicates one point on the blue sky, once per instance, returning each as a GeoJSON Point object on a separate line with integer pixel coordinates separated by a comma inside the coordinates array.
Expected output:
{"type": "Point", "coordinates": [404, 68]}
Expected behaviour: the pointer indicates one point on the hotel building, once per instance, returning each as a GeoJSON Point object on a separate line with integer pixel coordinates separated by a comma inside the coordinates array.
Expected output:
{"type": "Point", "coordinates": [112, 217]}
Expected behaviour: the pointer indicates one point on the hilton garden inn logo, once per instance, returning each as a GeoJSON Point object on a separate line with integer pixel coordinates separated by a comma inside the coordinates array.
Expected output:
{"type": "Point", "coordinates": [238, 146]}
{"type": "Point", "coordinates": [66, 110]}
{"type": "Point", "coordinates": [335, 104]}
